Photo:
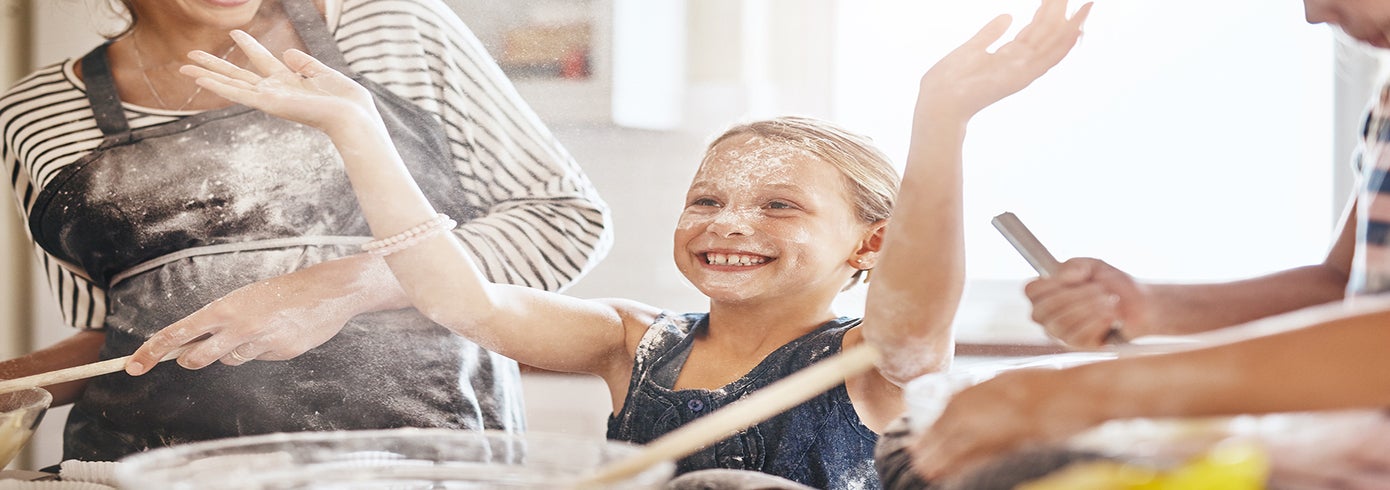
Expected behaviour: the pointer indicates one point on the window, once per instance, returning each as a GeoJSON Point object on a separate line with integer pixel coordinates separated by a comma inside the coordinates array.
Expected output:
{"type": "Point", "coordinates": [1182, 140]}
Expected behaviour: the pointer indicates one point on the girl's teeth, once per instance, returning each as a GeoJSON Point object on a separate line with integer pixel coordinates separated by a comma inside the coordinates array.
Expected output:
{"type": "Point", "coordinates": [733, 259]}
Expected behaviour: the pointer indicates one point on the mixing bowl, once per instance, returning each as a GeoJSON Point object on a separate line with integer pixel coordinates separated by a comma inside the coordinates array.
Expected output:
{"type": "Point", "coordinates": [394, 458]}
{"type": "Point", "coordinates": [20, 413]}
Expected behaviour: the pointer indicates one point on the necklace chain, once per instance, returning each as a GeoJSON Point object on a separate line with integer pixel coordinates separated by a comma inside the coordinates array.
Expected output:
{"type": "Point", "coordinates": [144, 74]}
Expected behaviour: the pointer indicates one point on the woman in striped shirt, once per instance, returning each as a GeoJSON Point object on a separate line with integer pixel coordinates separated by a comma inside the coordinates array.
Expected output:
{"type": "Point", "coordinates": [150, 200]}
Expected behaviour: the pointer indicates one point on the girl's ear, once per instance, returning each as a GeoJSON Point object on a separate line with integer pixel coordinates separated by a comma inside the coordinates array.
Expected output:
{"type": "Point", "coordinates": [866, 256]}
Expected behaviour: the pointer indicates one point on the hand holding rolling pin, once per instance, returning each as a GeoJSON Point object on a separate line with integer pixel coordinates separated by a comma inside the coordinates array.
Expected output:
{"type": "Point", "coordinates": [1083, 302]}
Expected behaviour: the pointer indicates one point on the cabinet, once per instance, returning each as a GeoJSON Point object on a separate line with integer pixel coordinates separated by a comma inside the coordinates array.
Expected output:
{"type": "Point", "coordinates": [565, 58]}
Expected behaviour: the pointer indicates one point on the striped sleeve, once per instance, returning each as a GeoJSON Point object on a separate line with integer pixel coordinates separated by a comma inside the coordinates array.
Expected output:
{"type": "Point", "coordinates": [545, 225]}
{"type": "Point", "coordinates": [47, 124]}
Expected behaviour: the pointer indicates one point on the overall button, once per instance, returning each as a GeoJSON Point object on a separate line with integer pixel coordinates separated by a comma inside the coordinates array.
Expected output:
{"type": "Point", "coordinates": [695, 405]}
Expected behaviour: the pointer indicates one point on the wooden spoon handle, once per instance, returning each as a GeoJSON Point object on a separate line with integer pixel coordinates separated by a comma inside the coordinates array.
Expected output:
{"type": "Point", "coordinates": [75, 373]}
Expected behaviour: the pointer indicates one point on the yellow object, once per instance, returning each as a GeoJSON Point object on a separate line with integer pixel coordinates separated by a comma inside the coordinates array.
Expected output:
{"type": "Point", "coordinates": [1232, 465]}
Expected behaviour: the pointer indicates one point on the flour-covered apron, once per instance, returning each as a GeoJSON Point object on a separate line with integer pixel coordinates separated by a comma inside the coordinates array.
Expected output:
{"type": "Point", "coordinates": [172, 217]}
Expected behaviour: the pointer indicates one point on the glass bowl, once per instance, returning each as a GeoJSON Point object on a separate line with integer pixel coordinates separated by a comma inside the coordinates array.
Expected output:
{"type": "Point", "coordinates": [434, 459]}
{"type": "Point", "coordinates": [20, 412]}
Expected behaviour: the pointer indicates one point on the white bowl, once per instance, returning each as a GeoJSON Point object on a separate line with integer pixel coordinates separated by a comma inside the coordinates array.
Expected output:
{"type": "Point", "coordinates": [433, 459]}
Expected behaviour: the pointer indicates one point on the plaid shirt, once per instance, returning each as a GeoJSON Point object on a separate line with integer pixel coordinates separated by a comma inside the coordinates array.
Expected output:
{"type": "Point", "coordinates": [1371, 264]}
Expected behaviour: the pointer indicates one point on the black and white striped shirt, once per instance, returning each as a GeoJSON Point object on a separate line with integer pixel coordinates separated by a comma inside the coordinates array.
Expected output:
{"type": "Point", "coordinates": [545, 227]}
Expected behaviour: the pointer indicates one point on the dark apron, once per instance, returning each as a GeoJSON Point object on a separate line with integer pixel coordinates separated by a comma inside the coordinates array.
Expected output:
{"type": "Point", "coordinates": [169, 218]}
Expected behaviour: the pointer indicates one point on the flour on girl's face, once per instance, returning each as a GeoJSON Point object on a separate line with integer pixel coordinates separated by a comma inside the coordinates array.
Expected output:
{"type": "Point", "coordinates": [773, 201]}
{"type": "Point", "coordinates": [744, 174]}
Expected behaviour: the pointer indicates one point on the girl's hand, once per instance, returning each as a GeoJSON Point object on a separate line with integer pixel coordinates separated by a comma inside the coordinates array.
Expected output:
{"type": "Point", "coordinates": [971, 78]}
{"type": "Point", "coordinates": [299, 88]}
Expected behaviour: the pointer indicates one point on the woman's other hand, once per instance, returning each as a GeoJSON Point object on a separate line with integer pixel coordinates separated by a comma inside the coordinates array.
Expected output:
{"type": "Point", "coordinates": [970, 78]}
{"type": "Point", "coordinates": [275, 319]}
{"type": "Point", "coordinates": [297, 87]}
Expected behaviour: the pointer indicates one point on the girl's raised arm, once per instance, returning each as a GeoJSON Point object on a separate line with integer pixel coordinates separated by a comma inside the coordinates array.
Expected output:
{"type": "Point", "coordinates": [920, 273]}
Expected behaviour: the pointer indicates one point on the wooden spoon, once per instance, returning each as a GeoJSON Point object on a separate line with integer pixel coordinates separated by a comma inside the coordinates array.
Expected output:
{"type": "Point", "coordinates": [77, 372]}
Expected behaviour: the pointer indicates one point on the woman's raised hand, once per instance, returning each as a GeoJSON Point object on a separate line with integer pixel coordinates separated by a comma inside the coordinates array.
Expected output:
{"type": "Point", "coordinates": [970, 78]}
{"type": "Point", "coordinates": [297, 87]}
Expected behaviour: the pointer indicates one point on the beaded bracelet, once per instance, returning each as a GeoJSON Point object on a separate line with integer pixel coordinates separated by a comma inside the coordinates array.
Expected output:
{"type": "Point", "coordinates": [408, 238]}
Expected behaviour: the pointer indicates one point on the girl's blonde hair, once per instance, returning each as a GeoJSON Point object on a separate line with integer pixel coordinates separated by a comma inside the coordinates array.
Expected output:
{"type": "Point", "coordinates": [872, 179]}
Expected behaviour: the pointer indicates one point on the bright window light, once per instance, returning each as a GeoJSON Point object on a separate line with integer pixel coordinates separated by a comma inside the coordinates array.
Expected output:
{"type": "Point", "coordinates": [1182, 140]}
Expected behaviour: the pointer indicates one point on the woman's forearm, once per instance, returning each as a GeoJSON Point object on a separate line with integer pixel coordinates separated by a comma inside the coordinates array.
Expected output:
{"type": "Point", "coordinates": [82, 348]}
{"type": "Point", "coordinates": [1180, 309]}
{"type": "Point", "coordinates": [1337, 364]}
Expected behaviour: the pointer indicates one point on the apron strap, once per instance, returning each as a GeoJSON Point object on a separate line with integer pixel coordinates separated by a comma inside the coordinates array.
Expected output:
{"type": "Point", "coordinates": [271, 243]}
{"type": "Point", "coordinates": [106, 102]}
{"type": "Point", "coordinates": [313, 31]}
{"type": "Point", "coordinates": [101, 93]}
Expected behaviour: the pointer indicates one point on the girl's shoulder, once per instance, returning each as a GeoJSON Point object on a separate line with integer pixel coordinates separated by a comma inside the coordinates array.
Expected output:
{"type": "Point", "coordinates": [631, 309]}
{"type": "Point", "coordinates": [639, 317]}
{"type": "Point", "coordinates": [644, 324]}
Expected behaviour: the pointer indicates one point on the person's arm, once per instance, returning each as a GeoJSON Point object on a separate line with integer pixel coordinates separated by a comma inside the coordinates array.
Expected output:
{"type": "Point", "coordinates": [81, 348]}
{"type": "Point", "coordinates": [437, 273]}
{"type": "Point", "coordinates": [1336, 363]}
{"type": "Point", "coordinates": [919, 275]}
{"type": "Point", "coordinates": [533, 326]}
{"type": "Point", "coordinates": [1080, 303]}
